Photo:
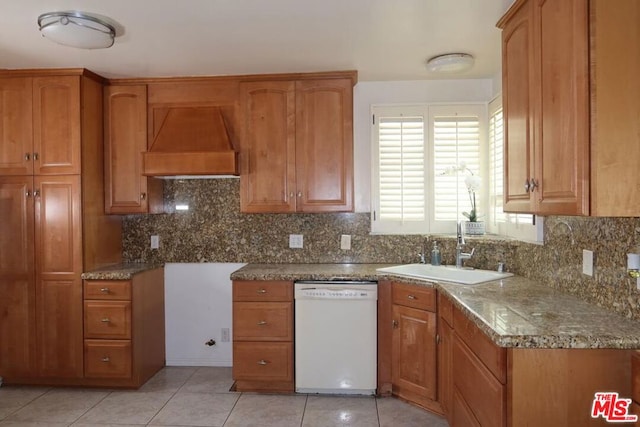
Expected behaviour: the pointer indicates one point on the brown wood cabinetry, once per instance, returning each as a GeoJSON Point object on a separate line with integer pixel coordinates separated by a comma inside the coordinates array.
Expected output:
{"type": "Point", "coordinates": [124, 341]}
{"type": "Point", "coordinates": [40, 131]}
{"type": "Point", "coordinates": [571, 109]}
{"type": "Point", "coordinates": [263, 335]}
{"type": "Point", "coordinates": [445, 355]}
{"type": "Point", "coordinates": [297, 149]}
{"type": "Point", "coordinates": [127, 190]}
{"type": "Point", "coordinates": [53, 223]}
{"type": "Point", "coordinates": [413, 352]}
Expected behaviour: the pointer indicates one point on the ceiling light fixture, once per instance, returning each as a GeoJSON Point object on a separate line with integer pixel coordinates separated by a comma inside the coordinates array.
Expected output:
{"type": "Point", "coordinates": [450, 63]}
{"type": "Point", "coordinates": [77, 29]}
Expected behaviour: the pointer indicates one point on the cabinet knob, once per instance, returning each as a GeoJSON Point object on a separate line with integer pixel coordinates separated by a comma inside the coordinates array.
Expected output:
{"type": "Point", "coordinates": [143, 196]}
{"type": "Point", "coordinates": [262, 291]}
{"type": "Point", "coordinates": [36, 193]}
{"type": "Point", "coordinates": [394, 323]}
{"type": "Point", "coordinates": [28, 193]}
{"type": "Point", "coordinates": [35, 156]}
{"type": "Point", "coordinates": [438, 339]}
{"type": "Point", "coordinates": [105, 359]}
{"type": "Point", "coordinates": [299, 193]}
{"type": "Point", "coordinates": [526, 186]}
{"type": "Point", "coordinates": [262, 362]}
{"type": "Point", "coordinates": [262, 323]}
{"type": "Point", "coordinates": [104, 290]}
{"type": "Point", "coordinates": [27, 156]}
{"type": "Point", "coordinates": [534, 184]}
{"type": "Point", "coordinates": [291, 195]}
{"type": "Point", "coordinates": [411, 297]}
{"type": "Point", "coordinates": [105, 320]}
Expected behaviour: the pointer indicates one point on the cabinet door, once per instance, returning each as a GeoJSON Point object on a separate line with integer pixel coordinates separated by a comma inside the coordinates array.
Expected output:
{"type": "Point", "coordinates": [517, 91]}
{"type": "Point", "coordinates": [17, 292]}
{"type": "Point", "coordinates": [562, 138]}
{"type": "Point", "coordinates": [324, 145]}
{"type": "Point", "coordinates": [413, 358]}
{"type": "Point", "coordinates": [56, 125]}
{"type": "Point", "coordinates": [267, 179]}
{"type": "Point", "coordinates": [125, 130]}
{"type": "Point", "coordinates": [58, 251]}
{"type": "Point", "coordinates": [16, 132]}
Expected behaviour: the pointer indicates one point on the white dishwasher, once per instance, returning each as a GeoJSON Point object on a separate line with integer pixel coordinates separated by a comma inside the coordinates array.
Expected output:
{"type": "Point", "coordinates": [336, 337]}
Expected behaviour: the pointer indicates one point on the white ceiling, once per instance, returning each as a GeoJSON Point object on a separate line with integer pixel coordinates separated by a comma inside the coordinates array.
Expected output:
{"type": "Point", "coordinates": [382, 39]}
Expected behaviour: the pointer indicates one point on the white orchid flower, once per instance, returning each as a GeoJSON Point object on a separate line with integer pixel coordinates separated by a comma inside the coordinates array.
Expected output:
{"type": "Point", "coordinates": [472, 182]}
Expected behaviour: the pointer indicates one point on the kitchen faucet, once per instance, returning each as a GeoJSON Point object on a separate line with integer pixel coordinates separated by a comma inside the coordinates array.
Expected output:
{"type": "Point", "coordinates": [461, 256]}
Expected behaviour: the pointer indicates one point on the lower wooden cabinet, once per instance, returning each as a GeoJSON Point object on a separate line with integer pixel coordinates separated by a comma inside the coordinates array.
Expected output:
{"type": "Point", "coordinates": [124, 337]}
{"type": "Point", "coordinates": [413, 344]}
{"type": "Point", "coordinates": [445, 355]}
{"type": "Point", "coordinates": [263, 335]}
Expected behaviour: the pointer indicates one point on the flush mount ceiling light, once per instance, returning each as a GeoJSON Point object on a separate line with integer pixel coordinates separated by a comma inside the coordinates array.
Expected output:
{"type": "Point", "coordinates": [450, 63]}
{"type": "Point", "coordinates": [76, 29]}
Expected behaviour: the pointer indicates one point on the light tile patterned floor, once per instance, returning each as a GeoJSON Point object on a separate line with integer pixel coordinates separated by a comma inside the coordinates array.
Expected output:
{"type": "Point", "coordinates": [183, 396]}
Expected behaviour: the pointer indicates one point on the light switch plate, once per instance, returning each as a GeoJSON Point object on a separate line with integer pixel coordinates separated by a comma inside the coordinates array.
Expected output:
{"type": "Point", "coordinates": [296, 241]}
{"type": "Point", "coordinates": [345, 242]}
{"type": "Point", "coordinates": [155, 242]}
{"type": "Point", "coordinates": [587, 262]}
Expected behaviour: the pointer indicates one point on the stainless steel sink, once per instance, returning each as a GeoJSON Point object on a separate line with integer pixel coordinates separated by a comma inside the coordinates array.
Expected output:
{"type": "Point", "coordinates": [445, 273]}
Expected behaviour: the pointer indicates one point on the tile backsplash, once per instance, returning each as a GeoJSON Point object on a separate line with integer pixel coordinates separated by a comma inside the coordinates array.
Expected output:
{"type": "Point", "coordinates": [214, 230]}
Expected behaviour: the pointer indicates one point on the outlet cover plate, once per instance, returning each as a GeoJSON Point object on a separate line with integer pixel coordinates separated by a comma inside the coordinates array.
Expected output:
{"type": "Point", "coordinates": [296, 241]}
{"type": "Point", "coordinates": [587, 262]}
{"type": "Point", "coordinates": [345, 242]}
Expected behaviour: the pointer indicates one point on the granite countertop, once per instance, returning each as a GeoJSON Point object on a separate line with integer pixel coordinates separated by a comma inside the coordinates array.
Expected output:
{"type": "Point", "coordinates": [513, 312]}
{"type": "Point", "coordinates": [123, 271]}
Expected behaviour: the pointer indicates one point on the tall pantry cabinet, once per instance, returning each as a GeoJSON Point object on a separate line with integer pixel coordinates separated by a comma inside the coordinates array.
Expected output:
{"type": "Point", "coordinates": [53, 223]}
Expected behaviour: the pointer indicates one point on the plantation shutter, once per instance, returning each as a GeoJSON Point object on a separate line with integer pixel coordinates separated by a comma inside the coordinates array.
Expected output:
{"type": "Point", "coordinates": [496, 166]}
{"type": "Point", "coordinates": [455, 140]}
{"type": "Point", "coordinates": [401, 180]}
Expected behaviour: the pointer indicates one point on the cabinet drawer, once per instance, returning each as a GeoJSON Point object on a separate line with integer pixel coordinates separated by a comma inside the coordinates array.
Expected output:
{"type": "Point", "coordinates": [263, 361]}
{"type": "Point", "coordinates": [414, 296]}
{"type": "Point", "coordinates": [107, 319]}
{"type": "Point", "coordinates": [262, 321]}
{"type": "Point", "coordinates": [107, 289]}
{"type": "Point", "coordinates": [445, 309]}
{"type": "Point", "coordinates": [635, 376]}
{"type": "Point", "coordinates": [258, 290]}
{"type": "Point", "coordinates": [479, 389]}
{"type": "Point", "coordinates": [107, 359]}
{"type": "Point", "coordinates": [494, 357]}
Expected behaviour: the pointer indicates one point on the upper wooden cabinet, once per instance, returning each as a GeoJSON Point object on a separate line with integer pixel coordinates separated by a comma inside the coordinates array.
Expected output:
{"type": "Point", "coordinates": [127, 190]}
{"type": "Point", "coordinates": [571, 105]}
{"type": "Point", "coordinates": [40, 130]}
{"type": "Point", "coordinates": [297, 146]}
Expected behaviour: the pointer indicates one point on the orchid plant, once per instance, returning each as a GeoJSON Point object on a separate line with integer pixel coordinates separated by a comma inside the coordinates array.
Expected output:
{"type": "Point", "coordinates": [473, 184]}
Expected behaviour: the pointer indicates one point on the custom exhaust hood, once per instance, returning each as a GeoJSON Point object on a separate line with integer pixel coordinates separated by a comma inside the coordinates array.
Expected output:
{"type": "Point", "coordinates": [189, 141]}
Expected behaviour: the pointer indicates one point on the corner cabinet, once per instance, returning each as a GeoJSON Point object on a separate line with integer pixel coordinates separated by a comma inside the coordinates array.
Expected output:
{"type": "Point", "coordinates": [263, 335]}
{"type": "Point", "coordinates": [297, 145]}
{"type": "Point", "coordinates": [53, 226]}
{"type": "Point", "coordinates": [127, 190]}
{"type": "Point", "coordinates": [571, 106]}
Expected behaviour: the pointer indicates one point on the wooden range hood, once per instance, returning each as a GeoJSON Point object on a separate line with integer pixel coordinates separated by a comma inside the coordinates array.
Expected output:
{"type": "Point", "coordinates": [189, 141]}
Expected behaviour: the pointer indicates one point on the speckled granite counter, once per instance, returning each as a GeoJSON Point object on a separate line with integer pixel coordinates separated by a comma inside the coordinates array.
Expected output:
{"type": "Point", "coordinates": [513, 312]}
{"type": "Point", "coordinates": [119, 271]}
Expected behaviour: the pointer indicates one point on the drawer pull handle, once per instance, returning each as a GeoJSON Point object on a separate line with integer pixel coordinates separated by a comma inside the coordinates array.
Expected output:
{"type": "Point", "coordinates": [106, 359]}
{"type": "Point", "coordinates": [262, 323]}
{"type": "Point", "coordinates": [262, 291]}
{"type": "Point", "coordinates": [105, 320]}
{"type": "Point", "coordinates": [411, 296]}
{"type": "Point", "coordinates": [262, 362]}
{"type": "Point", "coordinates": [104, 290]}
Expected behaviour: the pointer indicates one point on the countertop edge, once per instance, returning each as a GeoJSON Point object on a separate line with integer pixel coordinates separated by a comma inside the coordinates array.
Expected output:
{"type": "Point", "coordinates": [123, 271]}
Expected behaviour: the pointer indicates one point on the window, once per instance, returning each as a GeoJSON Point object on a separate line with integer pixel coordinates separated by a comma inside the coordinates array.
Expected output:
{"type": "Point", "coordinates": [412, 147]}
{"type": "Point", "coordinates": [520, 226]}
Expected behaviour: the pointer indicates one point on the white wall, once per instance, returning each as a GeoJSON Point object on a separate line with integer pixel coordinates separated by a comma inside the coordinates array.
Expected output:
{"type": "Point", "coordinates": [367, 94]}
{"type": "Point", "coordinates": [197, 306]}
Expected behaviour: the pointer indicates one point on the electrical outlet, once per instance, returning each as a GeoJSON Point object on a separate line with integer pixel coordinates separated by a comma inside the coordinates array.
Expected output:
{"type": "Point", "coordinates": [345, 242]}
{"type": "Point", "coordinates": [155, 242]}
{"type": "Point", "coordinates": [224, 335]}
{"type": "Point", "coordinates": [295, 241]}
{"type": "Point", "coordinates": [587, 262]}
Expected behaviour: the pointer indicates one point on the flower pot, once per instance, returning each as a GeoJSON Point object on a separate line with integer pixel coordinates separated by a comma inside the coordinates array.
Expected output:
{"type": "Point", "coordinates": [474, 228]}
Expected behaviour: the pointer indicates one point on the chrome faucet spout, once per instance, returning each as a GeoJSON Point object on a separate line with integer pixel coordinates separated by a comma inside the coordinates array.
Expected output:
{"type": "Point", "coordinates": [461, 256]}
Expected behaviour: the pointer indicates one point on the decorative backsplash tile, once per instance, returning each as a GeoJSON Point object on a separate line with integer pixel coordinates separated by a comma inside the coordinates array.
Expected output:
{"type": "Point", "coordinates": [214, 230]}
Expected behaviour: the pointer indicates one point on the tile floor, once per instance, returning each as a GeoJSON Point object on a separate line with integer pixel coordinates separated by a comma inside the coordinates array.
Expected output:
{"type": "Point", "coordinates": [185, 396]}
